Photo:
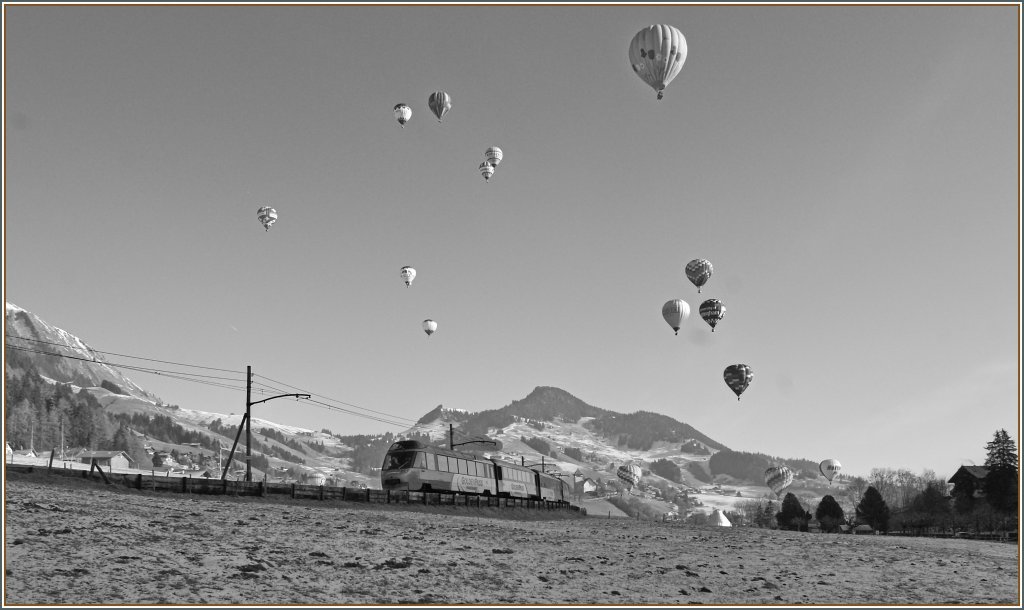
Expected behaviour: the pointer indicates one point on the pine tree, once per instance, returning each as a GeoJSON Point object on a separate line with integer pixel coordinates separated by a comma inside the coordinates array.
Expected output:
{"type": "Point", "coordinates": [829, 513]}
{"type": "Point", "coordinates": [1000, 484]}
{"type": "Point", "coordinates": [873, 510]}
{"type": "Point", "coordinates": [792, 516]}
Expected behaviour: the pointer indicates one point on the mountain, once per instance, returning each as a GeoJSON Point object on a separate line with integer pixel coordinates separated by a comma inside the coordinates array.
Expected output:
{"type": "Point", "coordinates": [62, 357]}
{"type": "Point", "coordinates": [59, 387]}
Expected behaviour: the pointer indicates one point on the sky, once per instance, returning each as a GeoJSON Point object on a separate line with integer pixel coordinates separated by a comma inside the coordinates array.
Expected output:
{"type": "Point", "coordinates": [851, 172]}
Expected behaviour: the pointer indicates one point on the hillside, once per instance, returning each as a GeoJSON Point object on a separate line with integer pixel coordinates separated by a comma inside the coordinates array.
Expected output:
{"type": "Point", "coordinates": [59, 387]}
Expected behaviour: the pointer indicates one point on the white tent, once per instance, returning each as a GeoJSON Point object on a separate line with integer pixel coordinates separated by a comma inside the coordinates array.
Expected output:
{"type": "Point", "coordinates": [718, 518]}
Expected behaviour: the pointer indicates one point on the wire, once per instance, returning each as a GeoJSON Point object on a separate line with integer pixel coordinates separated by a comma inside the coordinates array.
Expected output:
{"type": "Point", "coordinates": [217, 381]}
{"type": "Point", "coordinates": [128, 356]}
{"type": "Point", "coordinates": [334, 408]}
{"type": "Point", "coordinates": [339, 401]}
{"type": "Point", "coordinates": [114, 364]}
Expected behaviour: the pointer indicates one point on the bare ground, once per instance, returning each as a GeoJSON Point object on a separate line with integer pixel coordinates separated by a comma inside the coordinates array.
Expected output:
{"type": "Point", "coordinates": [69, 541]}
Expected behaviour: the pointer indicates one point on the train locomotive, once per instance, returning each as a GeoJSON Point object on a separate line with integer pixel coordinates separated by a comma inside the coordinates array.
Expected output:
{"type": "Point", "coordinates": [415, 466]}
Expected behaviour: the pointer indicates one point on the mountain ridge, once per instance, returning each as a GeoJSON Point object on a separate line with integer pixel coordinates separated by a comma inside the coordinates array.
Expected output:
{"type": "Point", "coordinates": [549, 424]}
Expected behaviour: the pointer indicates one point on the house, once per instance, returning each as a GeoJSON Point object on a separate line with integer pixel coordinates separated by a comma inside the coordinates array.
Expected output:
{"type": "Point", "coordinates": [863, 528]}
{"type": "Point", "coordinates": [814, 526]}
{"type": "Point", "coordinates": [589, 486]}
{"type": "Point", "coordinates": [9, 452]}
{"type": "Point", "coordinates": [969, 479]}
{"type": "Point", "coordinates": [107, 459]}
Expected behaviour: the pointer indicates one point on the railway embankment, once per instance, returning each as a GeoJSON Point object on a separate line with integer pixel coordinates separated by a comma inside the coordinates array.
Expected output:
{"type": "Point", "coordinates": [276, 492]}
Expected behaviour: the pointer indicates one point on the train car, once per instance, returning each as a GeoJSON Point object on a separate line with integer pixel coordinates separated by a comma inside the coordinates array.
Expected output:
{"type": "Point", "coordinates": [551, 487]}
{"type": "Point", "coordinates": [515, 481]}
{"type": "Point", "coordinates": [415, 466]}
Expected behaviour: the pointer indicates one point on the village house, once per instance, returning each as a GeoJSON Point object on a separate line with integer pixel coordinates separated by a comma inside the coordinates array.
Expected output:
{"type": "Point", "coordinates": [970, 478]}
{"type": "Point", "coordinates": [107, 459]}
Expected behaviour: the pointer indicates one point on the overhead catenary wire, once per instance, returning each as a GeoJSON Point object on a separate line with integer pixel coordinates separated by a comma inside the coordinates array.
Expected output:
{"type": "Point", "coordinates": [215, 381]}
{"type": "Point", "coordinates": [129, 356]}
{"type": "Point", "coordinates": [334, 399]}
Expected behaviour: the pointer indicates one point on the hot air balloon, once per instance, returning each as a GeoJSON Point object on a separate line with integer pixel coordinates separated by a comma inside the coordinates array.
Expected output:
{"type": "Point", "coordinates": [486, 170]}
{"type": "Point", "coordinates": [429, 326]}
{"type": "Point", "coordinates": [778, 478]}
{"type": "Point", "coordinates": [493, 155]}
{"type": "Point", "coordinates": [674, 312]}
{"type": "Point", "coordinates": [712, 311]}
{"type": "Point", "coordinates": [408, 275]}
{"type": "Point", "coordinates": [738, 377]}
{"type": "Point", "coordinates": [699, 271]}
{"type": "Point", "coordinates": [829, 469]}
{"type": "Point", "coordinates": [440, 103]}
{"type": "Point", "coordinates": [267, 215]}
{"type": "Point", "coordinates": [630, 474]}
{"type": "Point", "coordinates": [657, 54]}
{"type": "Point", "coordinates": [403, 113]}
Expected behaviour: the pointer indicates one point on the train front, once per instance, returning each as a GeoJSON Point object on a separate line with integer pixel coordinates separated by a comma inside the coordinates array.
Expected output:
{"type": "Point", "coordinates": [402, 466]}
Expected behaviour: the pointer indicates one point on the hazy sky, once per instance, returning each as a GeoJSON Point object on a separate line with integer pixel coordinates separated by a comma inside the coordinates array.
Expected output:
{"type": "Point", "coordinates": [852, 172]}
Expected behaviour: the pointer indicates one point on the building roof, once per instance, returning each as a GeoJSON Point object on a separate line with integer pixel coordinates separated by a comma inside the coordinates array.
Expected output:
{"type": "Point", "coordinates": [102, 454]}
{"type": "Point", "coordinates": [978, 472]}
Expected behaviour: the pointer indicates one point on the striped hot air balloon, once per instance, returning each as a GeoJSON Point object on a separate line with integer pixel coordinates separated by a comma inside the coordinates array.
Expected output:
{"type": "Point", "coordinates": [712, 311]}
{"type": "Point", "coordinates": [440, 103]}
{"type": "Point", "coordinates": [630, 474]}
{"type": "Point", "coordinates": [829, 469]}
{"type": "Point", "coordinates": [486, 170]}
{"type": "Point", "coordinates": [738, 377]}
{"type": "Point", "coordinates": [699, 272]}
{"type": "Point", "coordinates": [674, 312]}
{"type": "Point", "coordinates": [778, 478]}
{"type": "Point", "coordinates": [493, 155]}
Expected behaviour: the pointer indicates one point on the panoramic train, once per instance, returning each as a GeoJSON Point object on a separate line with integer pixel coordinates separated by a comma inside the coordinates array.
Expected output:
{"type": "Point", "coordinates": [415, 466]}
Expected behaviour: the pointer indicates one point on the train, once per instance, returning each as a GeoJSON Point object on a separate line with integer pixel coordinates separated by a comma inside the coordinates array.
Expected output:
{"type": "Point", "coordinates": [416, 466]}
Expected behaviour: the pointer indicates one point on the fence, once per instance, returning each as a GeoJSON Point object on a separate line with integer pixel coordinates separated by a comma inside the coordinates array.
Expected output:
{"type": "Point", "coordinates": [223, 487]}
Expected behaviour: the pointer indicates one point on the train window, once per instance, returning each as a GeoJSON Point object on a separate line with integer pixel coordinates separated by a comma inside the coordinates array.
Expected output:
{"type": "Point", "coordinates": [400, 460]}
{"type": "Point", "coordinates": [442, 463]}
{"type": "Point", "coordinates": [421, 460]}
{"type": "Point", "coordinates": [463, 467]}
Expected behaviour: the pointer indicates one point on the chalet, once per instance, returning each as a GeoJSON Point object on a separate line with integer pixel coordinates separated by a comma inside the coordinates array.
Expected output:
{"type": "Point", "coordinates": [107, 459]}
{"type": "Point", "coordinates": [814, 526]}
{"type": "Point", "coordinates": [969, 478]}
{"type": "Point", "coordinates": [863, 528]}
{"type": "Point", "coordinates": [589, 486]}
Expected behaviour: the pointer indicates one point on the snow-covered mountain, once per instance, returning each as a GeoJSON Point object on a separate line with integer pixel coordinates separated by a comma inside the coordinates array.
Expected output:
{"type": "Point", "coordinates": [61, 356]}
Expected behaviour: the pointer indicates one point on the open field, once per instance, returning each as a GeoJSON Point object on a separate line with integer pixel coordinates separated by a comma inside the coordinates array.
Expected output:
{"type": "Point", "coordinates": [81, 542]}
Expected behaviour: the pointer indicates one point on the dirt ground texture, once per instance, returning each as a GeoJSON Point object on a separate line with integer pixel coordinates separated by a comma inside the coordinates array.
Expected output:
{"type": "Point", "coordinates": [81, 542]}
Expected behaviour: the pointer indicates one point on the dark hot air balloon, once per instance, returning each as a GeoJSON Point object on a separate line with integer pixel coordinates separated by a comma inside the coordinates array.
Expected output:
{"type": "Point", "coordinates": [712, 311]}
{"type": "Point", "coordinates": [738, 377]}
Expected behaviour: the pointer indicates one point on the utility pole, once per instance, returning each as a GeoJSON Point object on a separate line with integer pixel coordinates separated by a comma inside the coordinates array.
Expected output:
{"type": "Point", "coordinates": [246, 419]}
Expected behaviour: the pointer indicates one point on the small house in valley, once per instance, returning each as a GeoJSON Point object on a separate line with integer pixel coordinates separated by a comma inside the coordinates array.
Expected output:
{"type": "Point", "coordinates": [107, 459]}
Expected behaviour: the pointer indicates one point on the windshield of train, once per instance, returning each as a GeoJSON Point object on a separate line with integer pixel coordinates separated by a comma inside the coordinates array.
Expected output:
{"type": "Point", "coordinates": [404, 459]}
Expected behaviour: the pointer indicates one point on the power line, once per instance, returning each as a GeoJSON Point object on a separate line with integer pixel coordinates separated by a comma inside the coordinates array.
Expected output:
{"type": "Point", "coordinates": [117, 365]}
{"type": "Point", "coordinates": [336, 400]}
{"type": "Point", "coordinates": [128, 356]}
{"type": "Point", "coordinates": [216, 381]}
